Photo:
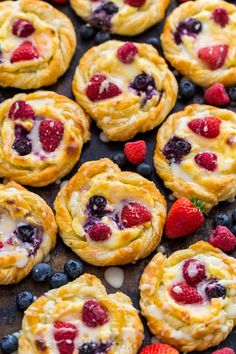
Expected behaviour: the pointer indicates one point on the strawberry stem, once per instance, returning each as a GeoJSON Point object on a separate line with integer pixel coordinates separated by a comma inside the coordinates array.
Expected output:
{"type": "Point", "coordinates": [199, 204]}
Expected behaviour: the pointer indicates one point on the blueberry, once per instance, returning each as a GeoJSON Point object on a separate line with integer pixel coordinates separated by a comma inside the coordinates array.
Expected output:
{"type": "Point", "coordinates": [193, 25]}
{"type": "Point", "coordinates": [232, 93]}
{"type": "Point", "coordinates": [144, 169]}
{"type": "Point", "coordinates": [234, 216]}
{"type": "Point", "coordinates": [42, 272]}
{"type": "Point", "coordinates": [24, 300]}
{"type": "Point", "coordinates": [9, 344]}
{"type": "Point", "coordinates": [110, 8]}
{"type": "Point", "coordinates": [25, 233]}
{"type": "Point", "coordinates": [94, 348]}
{"type": "Point", "coordinates": [97, 205]}
{"type": "Point", "coordinates": [58, 279]}
{"type": "Point", "coordinates": [222, 219]}
{"type": "Point", "coordinates": [186, 88]}
{"type": "Point", "coordinates": [102, 36]}
{"type": "Point", "coordinates": [215, 290]}
{"type": "Point", "coordinates": [22, 146]}
{"type": "Point", "coordinates": [188, 27]}
{"type": "Point", "coordinates": [233, 230]}
{"type": "Point", "coordinates": [154, 41]}
{"type": "Point", "coordinates": [142, 81]}
{"type": "Point", "coordinates": [175, 149]}
{"type": "Point", "coordinates": [73, 268]}
{"type": "Point", "coordinates": [87, 31]}
{"type": "Point", "coordinates": [120, 159]}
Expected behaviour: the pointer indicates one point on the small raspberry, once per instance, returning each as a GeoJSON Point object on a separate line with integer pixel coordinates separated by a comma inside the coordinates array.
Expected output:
{"type": "Point", "coordinates": [223, 238]}
{"type": "Point", "coordinates": [94, 314]}
{"type": "Point", "coordinates": [127, 52]}
{"type": "Point", "coordinates": [159, 348]}
{"type": "Point", "coordinates": [207, 160]}
{"type": "Point", "coordinates": [50, 134]}
{"type": "Point", "coordinates": [25, 51]}
{"type": "Point", "coordinates": [99, 232]}
{"type": "Point", "coordinates": [135, 3]}
{"type": "Point", "coordinates": [185, 294]}
{"type": "Point", "coordinates": [216, 95]}
{"type": "Point", "coordinates": [220, 16]}
{"type": "Point", "coordinates": [100, 88]}
{"type": "Point", "coordinates": [213, 57]}
{"type": "Point", "coordinates": [21, 110]}
{"type": "Point", "coordinates": [1, 245]}
{"type": "Point", "coordinates": [22, 28]}
{"type": "Point", "coordinates": [64, 335]}
{"type": "Point", "coordinates": [225, 350]}
{"type": "Point", "coordinates": [134, 214]}
{"type": "Point", "coordinates": [135, 152]}
{"type": "Point", "coordinates": [208, 127]}
{"type": "Point", "coordinates": [193, 271]}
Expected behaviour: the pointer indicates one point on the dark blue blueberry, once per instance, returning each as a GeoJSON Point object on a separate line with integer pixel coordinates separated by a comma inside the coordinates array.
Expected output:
{"type": "Point", "coordinates": [233, 230]}
{"type": "Point", "coordinates": [102, 15]}
{"type": "Point", "coordinates": [24, 300]}
{"type": "Point", "coordinates": [154, 41]}
{"type": "Point", "coordinates": [110, 8]}
{"type": "Point", "coordinates": [94, 348]}
{"type": "Point", "coordinates": [97, 205]}
{"type": "Point", "coordinates": [144, 169]}
{"type": "Point", "coordinates": [222, 219]}
{"type": "Point", "coordinates": [25, 233]}
{"type": "Point", "coordinates": [73, 268]}
{"type": "Point", "coordinates": [9, 344]}
{"type": "Point", "coordinates": [42, 272]}
{"type": "Point", "coordinates": [102, 36]}
{"type": "Point", "coordinates": [120, 159]}
{"type": "Point", "coordinates": [187, 89]}
{"type": "Point", "coordinates": [176, 149]}
{"type": "Point", "coordinates": [142, 82]}
{"type": "Point", "coordinates": [58, 279]}
{"type": "Point", "coordinates": [22, 146]}
{"type": "Point", "coordinates": [232, 93]}
{"type": "Point", "coordinates": [234, 216]}
{"type": "Point", "coordinates": [87, 31]}
{"type": "Point", "coordinates": [215, 290]}
{"type": "Point", "coordinates": [189, 27]}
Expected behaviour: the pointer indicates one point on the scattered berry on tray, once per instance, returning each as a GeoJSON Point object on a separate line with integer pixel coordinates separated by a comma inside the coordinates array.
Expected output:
{"type": "Point", "coordinates": [58, 279]}
{"type": "Point", "coordinates": [135, 152]}
{"type": "Point", "coordinates": [222, 219]}
{"type": "Point", "coordinates": [87, 31]}
{"type": "Point", "coordinates": [102, 36]}
{"type": "Point", "coordinates": [187, 88]}
{"type": "Point", "coordinates": [234, 216]}
{"type": "Point", "coordinates": [120, 159]}
{"type": "Point", "coordinates": [9, 344]}
{"type": "Point", "coordinates": [144, 169]}
{"type": "Point", "coordinates": [232, 93]}
{"type": "Point", "coordinates": [155, 42]}
{"type": "Point", "coordinates": [225, 350]}
{"type": "Point", "coordinates": [223, 238]}
{"type": "Point", "coordinates": [160, 348]}
{"type": "Point", "coordinates": [73, 268]}
{"type": "Point", "coordinates": [216, 95]}
{"type": "Point", "coordinates": [24, 300]}
{"type": "Point", "coordinates": [42, 272]}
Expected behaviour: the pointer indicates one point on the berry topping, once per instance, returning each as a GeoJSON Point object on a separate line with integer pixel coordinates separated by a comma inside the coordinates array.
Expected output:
{"type": "Point", "coordinates": [21, 110]}
{"type": "Point", "coordinates": [220, 16]}
{"type": "Point", "coordinates": [58, 279]}
{"type": "Point", "coordinates": [223, 238]}
{"type": "Point", "coordinates": [159, 348]}
{"type": "Point", "coordinates": [94, 314]}
{"type": "Point", "coordinates": [102, 15]}
{"type": "Point", "coordinates": [185, 294]}
{"type": "Point", "coordinates": [73, 268]}
{"type": "Point", "coordinates": [190, 27]}
{"type": "Point", "coordinates": [142, 82]}
{"type": "Point", "coordinates": [9, 344]}
{"type": "Point", "coordinates": [213, 57]}
{"type": "Point", "coordinates": [25, 233]}
{"type": "Point", "coordinates": [208, 127]}
{"type": "Point", "coordinates": [100, 88]}
{"type": "Point", "coordinates": [94, 348]}
{"type": "Point", "coordinates": [207, 160]}
{"type": "Point", "coordinates": [216, 95]}
{"type": "Point", "coordinates": [144, 169]}
{"type": "Point", "coordinates": [26, 51]}
{"type": "Point", "coordinates": [222, 219]}
{"type": "Point", "coordinates": [135, 3]}
{"type": "Point", "coordinates": [193, 271]}
{"type": "Point", "coordinates": [134, 214]}
{"type": "Point", "coordinates": [24, 300]}
{"type": "Point", "coordinates": [127, 52]}
{"type": "Point", "coordinates": [135, 152]}
{"type": "Point", "coordinates": [185, 217]}
{"type": "Point", "coordinates": [22, 146]}
{"type": "Point", "coordinates": [187, 89]}
{"type": "Point", "coordinates": [224, 351]}
{"type": "Point", "coordinates": [42, 272]}
{"type": "Point", "coordinates": [215, 289]}
{"type": "Point", "coordinates": [100, 232]}
{"type": "Point", "coordinates": [96, 205]}
{"type": "Point", "coordinates": [22, 28]}
{"type": "Point", "coordinates": [175, 149]}
{"type": "Point", "coordinates": [64, 335]}
{"type": "Point", "coordinates": [1, 245]}
{"type": "Point", "coordinates": [50, 134]}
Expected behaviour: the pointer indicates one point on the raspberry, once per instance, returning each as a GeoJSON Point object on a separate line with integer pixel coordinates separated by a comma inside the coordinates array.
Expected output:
{"type": "Point", "coordinates": [99, 232]}
{"type": "Point", "coordinates": [223, 238]}
{"type": "Point", "coordinates": [94, 314]}
{"type": "Point", "coordinates": [26, 51]}
{"type": "Point", "coordinates": [1, 245]}
{"type": "Point", "coordinates": [134, 214]}
{"type": "Point", "coordinates": [225, 350]}
{"type": "Point", "coordinates": [216, 95]}
{"type": "Point", "coordinates": [127, 52]}
{"type": "Point", "coordinates": [207, 160]}
{"type": "Point", "coordinates": [64, 335]}
{"type": "Point", "coordinates": [213, 57]}
{"type": "Point", "coordinates": [208, 127]}
{"type": "Point", "coordinates": [21, 110]}
{"type": "Point", "coordinates": [220, 16]}
{"type": "Point", "coordinates": [135, 152]}
{"type": "Point", "coordinates": [193, 271]}
{"type": "Point", "coordinates": [159, 348]}
{"type": "Point", "coordinates": [135, 3]}
{"type": "Point", "coordinates": [100, 88]}
{"type": "Point", "coordinates": [22, 28]}
{"type": "Point", "coordinates": [185, 294]}
{"type": "Point", "coordinates": [50, 134]}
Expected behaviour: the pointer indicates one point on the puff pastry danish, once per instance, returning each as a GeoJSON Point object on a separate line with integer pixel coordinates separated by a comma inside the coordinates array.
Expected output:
{"type": "Point", "coordinates": [110, 217]}
{"type": "Point", "coordinates": [37, 44]}
{"type": "Point", "coordinates": [189, 298]}
{"type": "Point", "coordinates": [198, 40]}
{"type": "Point", "coordinates": [125, 17]}
{"type": "Point", "coordinates": [81, 316]}
{"type": "Point", "coordinates": [27, 232]}
{"type": "Point", "coordinates": [126, 87]}
{"type": "Point", "coordinates": [42, 135]}
{"type": "Point", "coordinates": [195, 153]}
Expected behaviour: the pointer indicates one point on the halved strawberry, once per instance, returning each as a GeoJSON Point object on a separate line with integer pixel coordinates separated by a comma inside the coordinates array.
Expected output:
{"type": "Point", "coordinates": [214, 56]}
{"type": "Point", "coordinates": [134, 214]}
{"type": "Point", "coordinates": [26, 51]}
{"type": "Point", "coordinates": [208, 127]}
{"type": "Point", "coordinates": [64, 335]}
{"type": "Point", "coordinates": [101, 88]}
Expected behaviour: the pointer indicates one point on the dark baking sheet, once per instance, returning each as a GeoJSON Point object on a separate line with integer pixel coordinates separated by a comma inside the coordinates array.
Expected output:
{"type": "Point", "coordinates": [9, 315]}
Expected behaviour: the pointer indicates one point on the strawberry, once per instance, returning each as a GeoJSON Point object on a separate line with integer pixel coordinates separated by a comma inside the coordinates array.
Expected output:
{"type": "Point", "coordinates": [21, 110]}
{"type": "Point", "coordinates": [207, 160]}
{"type": "Point", "coordinates": [50, 134]}
{"type": "Point", "coordinates": [225, 350]}
{"type": "Point", "coordinates": [64, 335]}
{"type": "Point", "coordinates": [193, 271]}
{"type": "Point", "coordinates": [25, 51]}
{"type": "Point", "coordinates": [135, 152]}
{"type": "Point", "coordinates": [59, 1]}
{"type": "Point", "coordinates": [127, 52]}
{"type": "Point", "coordinates": [185, 294]}
{"type": "Point", "coordinates": [94, 314]}
{"type": "Point", "coordinates": [208, 127]}
{"type": "Point", "coordinates": [185, 217]}
{"type": "Point", "coordinates": [22, 28]}
{"type": "Point", "coordinates": [213, 57]}
{"type": "Point", "coordinates": [1, 245]}
{"type": "Point", "coordinates": [100, 88]}
{"type": "Point", "coordinates": [220, 16]}
{"type": "Point", "coordinates": [159, 349]}
{"type": "Point", "coordinates": [100, 232]}
{"type": "Point", "coordinates": [134, 214]}
{"type": "Point", "coordinates": [223, 238]}
{"type": "Point", "coordinates": [216, 95]}
{"type": "Point", "coordinates": [135, 3]}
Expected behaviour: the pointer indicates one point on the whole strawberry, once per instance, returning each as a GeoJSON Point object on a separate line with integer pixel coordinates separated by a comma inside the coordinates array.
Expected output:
{"type": "Point", "coordinates": [135, 152]}
{"type": "Point", "coordinates": [185, 217]}
{"type": "Point", "coordinates": [225, 350]}
{"type": "Point", "coordinates": [223, 238]}
{"type": "Point", "coordinates": [160, 348]}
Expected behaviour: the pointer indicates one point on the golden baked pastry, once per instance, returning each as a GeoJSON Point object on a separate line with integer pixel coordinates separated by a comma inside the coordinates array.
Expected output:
{"type": "Point", "coordinates": [189, 298]}
{"type": "Point", "coordinates": [27, 232]}
{"type": "Point", "coordinates": [42, 135]}
{"type": "Point", "coordinates": [110, 217]}
{"type": "Point", "coordinates": [198, 40]}
{"type": "Point", "coordinates": [37, 44]}
{"type": "Point", "coordinates": [78, 316]}
{"type": "Point", "coordinates": [126, 87]}
{"type": "Point", "coordinates": [128, 17]}
{"type": "Point", "coordinates": [195, 153]}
